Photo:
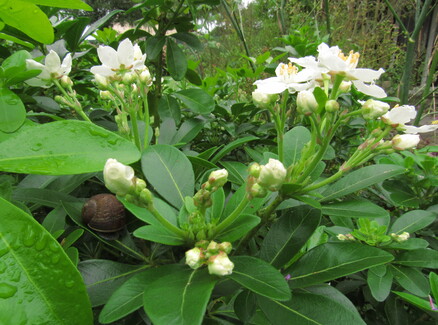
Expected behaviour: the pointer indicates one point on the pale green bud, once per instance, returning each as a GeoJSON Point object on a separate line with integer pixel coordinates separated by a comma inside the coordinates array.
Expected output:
{"type": "Point", "coordinates": [105, 94]}
{"type": "Point", "coordinates": [118, 177]}
{"type": "Point", "coordinates": [373, 109]}
{"type": "Point", "coordinates": [66, 81]}
{"type": "Point", "coordinates": [306, 102]}
{"type": "Point", "coordinates": [272, 175]}
{"type": "Point", "coordinates": [254, 170]}
{"type": "Point", "coordinates": [263, 100]}
{"type": "Point", "coordinates": [258, 191]}
{"type": "Point", "coordinates": [101, 80]}
{"type": "Point", "coordinates": [225, 247]}
{"type": "Point", "coordinates": [146, 197]}
{"type": "Point", "coordinates": [194, 258]}
{"type": "Point", "coordinates": [218, 178]}
{"type": "Point", "coordinates": [220, 265]}
{"type": "Point", "coordinates": [345, 86]}
{"type": "Point", "coordinates": [331, 106]}
{"type": "Point", "coordinates": [145, 77]}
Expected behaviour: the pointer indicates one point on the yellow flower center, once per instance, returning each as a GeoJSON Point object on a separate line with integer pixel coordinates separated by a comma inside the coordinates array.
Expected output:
{"type": "Point", "coordinates": [352, 59]}
{"type": "Point", "coordinates": [286, 71]}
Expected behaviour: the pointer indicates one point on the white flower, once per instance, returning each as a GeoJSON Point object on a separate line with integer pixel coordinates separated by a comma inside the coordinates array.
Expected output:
{"type": "Point", "coordinates": [332, 61]}
{"type": "Point", "coordinates": [272, 175]}
{"type": "Point", "coordinates": [372, 109]}
{"type": "Point", "coordinates": [399, 115]}
{"type": "Point", "coordinates": [306, 102]}
{"type": "Point", "coordinates": [263, 100]}
{"type": "Point", "coordinates": [288, 78]}
{"type": "Point", "coordinates": [220, 265]}
{"type": "Point", "coordinates": [118, 177]}
{"type": "Point", "coordinates": [218, 178]}
{"type": "Point", "coordinates": [405, 141]}
{"type": "Point", "coordinates": [126, 59]}
{"type": "Point", "coordinates": [410, 129]}
{"type": "Point", "coordinates": [194, 258]}
{"type": "Point", "coordinates": [51, 69]}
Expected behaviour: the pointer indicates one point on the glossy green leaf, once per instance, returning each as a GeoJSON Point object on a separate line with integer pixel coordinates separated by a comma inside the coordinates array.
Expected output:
{"type": "Point", "coordinates": [334, 260]}
{"type": "Point", "coordinates": [169, 107]}
{"type": "Point", "coordinates": [170, 172]}
{"type": "Point", "coordinates": [359, 208]}
{"type": "Point", "coordinates": [291, 232]}
{"type": "Point", "coordinates": [401, 194]}
{"type": "Point", "coordinates": [176, 60]}
{"type": "Point", "coordinates": [218, 199]}
{"type": "Point", "coordinates": [37, 274]}
{"type": "Point", "coordinates": [129, 296]}
{"type": "Point", "coordinates": [28, 18]}
{"type": "Point", "coordinates": [188, 130]}
{"type": "Point", "coordinates": [412, 221]}
{"type": "Point", "coordinates": [319, 305]}
{"type": "Point", "coordinates": [433, 281]}
{"type": "Point", "coordinates": [294, 142]}
{"type": "Point", "coordinates": [240, 227]}
{"type": "Point", "coordinates": [237, 172]}
{"type": "Point", "coordinates": [411, 279]}
{"type": "Point", "coordinates": [98, 24]}
{"type": "Point", "coordinates": [418, 258]}
{"type": "Point", "coordinates": [197, 100]}
{"type": "Point", "coordinates": [416, 301]}
{"type": "Point", "coordinates": [410, 244]}
{"type": "Point", "coordinates": [64, 147]}
{"type": "Point", "coordinates": [158, 235]}
{"type": "Point", "coordinates": [188, 38]}
{"type": "Point", "coordinates": [154, 45]}
{"type": "Point", "coordinates": [245, 305]}
{"type": "Point", "coordinates": [103, 277]}
{"type": "Point", "coordinates": [259, 277]}
{"type": "Point", "coordinates": [359, 179]}
{"type": "Point", "coordinates": [231, 146]}
{"type": "Point", "coordinates": [12, 111]}
{"type": "Point", "coordinates": [49, 198]}
{"type": "Point", "coordinates": [380, 284]}
{"type": "Point", "coordinates": [184, 299]}
{"type": "Point", "coordinates": [69, 4]}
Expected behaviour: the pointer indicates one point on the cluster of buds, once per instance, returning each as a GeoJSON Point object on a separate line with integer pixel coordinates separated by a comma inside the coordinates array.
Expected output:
{"type": "Point", "coordinates": [266, 177]}
{"type": "Point", "coordinates": [404, 236]}
{"type": "Point", "coordinates": [120, 180]}
{"type": "Point", "coordinates": [214, 255]}
{"type": "Point", "coordinates": [217, 179]}
{"type": "Point", "coordinates": [346, 237]}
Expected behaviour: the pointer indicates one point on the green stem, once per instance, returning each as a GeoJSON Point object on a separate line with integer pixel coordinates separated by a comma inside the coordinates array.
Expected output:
{"type": "Point", "coordinates": [71, 102]}
{"type": "Point", "coordinates": [166, 223]}
{"type": "Point", "coordinates": [324, 182]}
{"type": "Point", "coordinates": [133, 115]}
{"type": "Point", "coordinates": [233, 216]}
{"type": "Point", "coordinates": [146, 119]}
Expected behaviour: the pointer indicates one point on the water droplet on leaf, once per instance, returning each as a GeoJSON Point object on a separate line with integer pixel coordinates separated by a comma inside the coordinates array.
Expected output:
{"type": "Point", "coordinates": [6, 290]}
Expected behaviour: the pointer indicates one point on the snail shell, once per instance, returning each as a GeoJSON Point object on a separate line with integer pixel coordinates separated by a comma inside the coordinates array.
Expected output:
{"type": "Point", "coordinates": [104, 213]}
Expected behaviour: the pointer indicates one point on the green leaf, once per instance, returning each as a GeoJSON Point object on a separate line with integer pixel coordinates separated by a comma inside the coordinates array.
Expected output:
{"type": "Point", "coordinates": [158, 235]}
{"type": "Point", "coordinates": [334, 260]}
{"type": "Point", "coordinates": [74, 33]}
{"type": "Point", "coordinates": [188, 38]}
{"type": "Point", "coordinates": [30, 259]}
{"type": "Point", "coordinates": [433, 281]}
{"type": "Point", "coordinates": [169, 107]}
{"type": "Point", "coordinates": [420, 303]}
{"type": "Point", "coordinates": [240, 227]}
{"type": "Point", "coordinates": [231, 146]}
{"type": "Point", "coordinates": [245, 305]}
{"type": "Point", "coordinates": [410, 244]}
{"type": "Point", "coordinates": [170, 172]}
{"type": "Point", "coordinates": [218, 199]}
{"type": "Point", "coordinates": [359, 179]}
{"type": "Point", "coordinates": [154, 45]}
{"type": "Point", "coordinates": [418, 258]}
{"type": "Point", "coordinates": [294, 142]}
{"type": "Point", "coordinates": [129, 296]}
{"type": "Point", "coordinates": [103, 277]}
{"type": "Point", "coordinates": [289, 234]}
{"type": "Point", "coordinates": [359, 208]}
{"type": "Point", "coordinates": [184, 299]}
{"type": "Point", "coordinates": [197, 100]}
{"type": "Point", "coordinates": [28, 18]}
{"type": "Point", "coordinates": [412, 221]}
{"type": "Point", "coordinates": [69, 4]}
{"type": "Point", "coordinates": [411, 279]}
{"type": "Point", "coordinates": [320, 97]}
{"type": "Point", "coordinates": [318, 305]}
{"type": "Point", "coordinates": [12, 111]}
{"type": "Point", "coordinates": [380, 284]}
{"type": "Point", "coordinates": [98, 24]}
{"type": "Point", "coordinates": [64, 147]}
{"type": "Point", "coordinates": [259, 277]}
{"type": "Point", "coordinates": [237, 172]}
{"type": "Point", "coordinates": [176, 60]}
{"type": "Point", "coordinates": [401, 194]}
{"type": "Point", "coordinates": [188, 130]}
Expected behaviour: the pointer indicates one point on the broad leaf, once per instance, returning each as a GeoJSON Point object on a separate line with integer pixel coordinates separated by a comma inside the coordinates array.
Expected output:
{"type": "Point", "coordinates": [319, 305]}
{"type": "Point", "coordinates": [259, 277]}
{"type": "Point", "coordinates": [413, 221]}
{"type": "Point", "coordinates": [380, 284]}
{"type": "Point", "coordinates": [334, 260]}
{"type": "Point", "coordinates": [418, 258]}
{"type": "Point", "coordinates": [411, 279]}
{"type": "Point", "coordinates": [64, 147]}
{"type": "Point", "coordinates": [360, 208]}
{"type": "Point", "coordinates": [179, 297]}
{"type": "Point", "coordinates": [294, 142]}
{"type": "Point", "coordinates": [420, 303]}
{"type": "Point", "coordinates": [158, 235]}
{"type": "Point", "coordinates": [170, 172]}
{"type": "Point", "coordinates": [169, 107]}
{"type": "Point", "coordinates": [360, 179]}
{"type": "Point", "coordinates": [289, 234]}
{"type": "Point", "coordinates": [197, 100]}
{"type": "Point", "coordinates": [12, 111]}
{"type": "Point", "coordinates": [245, 305]}
{"type": "Point", "coordinates": [231, 146]}
{"type": "Point", "coordinates": [69, 4]}
{"type": "Point", "coordinates": [30, 259]}
{"type": "Point", "coordinates": [242, 225]}
{"type": "Point", "coordinates": [154, 45]}
{"type": "Point", "coordinates": [176, 60]}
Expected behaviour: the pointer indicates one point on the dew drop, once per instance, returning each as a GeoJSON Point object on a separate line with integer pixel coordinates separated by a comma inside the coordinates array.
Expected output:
{"type": "Point", "coordinates": [12, 101]}
{"type": "Point", "coordinates": [29, 238]}
{"type": "Point", "coordinates": [16, 276]}
{"type": "Point", "coordinates": [69, 283]}
{"type": "Point", "coordinates": [53, 247]}
{"type": "Point", "coordinates": [41, 244]}
{"type": "Point", "coordinates": [6, 290]}
{"type": "Point", "coordinates": [36, 147]}
{"type": "Point", "coordinates": [55, 258]}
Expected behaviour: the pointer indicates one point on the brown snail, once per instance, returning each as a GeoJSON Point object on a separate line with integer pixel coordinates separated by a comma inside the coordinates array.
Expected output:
{"type": "Point", "coordinates": [104, 213]}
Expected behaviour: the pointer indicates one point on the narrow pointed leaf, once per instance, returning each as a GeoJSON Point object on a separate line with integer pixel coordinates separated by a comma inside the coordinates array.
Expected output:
{"type": "Point", "coordinates": [37, 274]}
{"type": "Point", "coordinates": [419, 258]}
{"type": "Point", "coordinates": [197, 100]}
{"type": "Point", "coordinates": [354, 209]}
{"type": "Point", "coordinates": [411, 279]}
{"type": "Point", "coordinates": [412, 221]}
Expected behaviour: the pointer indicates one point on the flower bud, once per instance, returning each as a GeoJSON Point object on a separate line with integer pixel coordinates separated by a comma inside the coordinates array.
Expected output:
{"type": "Point", "coordinates": [218, 178]}
{"type": "Point", "coordinates": [263, 100]}
{"type": "Point", "coordinates": [105, 94]}
{"type": "Point", "coordinates": [331, 106]}
{"type": "Point", "coordinates": [405, 141]}
{"type": "Point", "coordinates": [140, 184]}
{"type": "Point", "coordinates": [373, 109]}
{"type": "Point", "coordinates": [101, 80]}
{"type": "Point", "coordinates": [146, 197]}
{"type": "Point", "coordinates": [254, 170]}
{"type": "Point", "coordinates": [118, 177]}
{"type": "Point", "coordinates": [66, 81]}
{"type": "Point", "coordinates": [306, 102]}
{"type": "Point", "coordinates": [342, 237]}
{"type": "Point", "coordinates": [225, 247]}
{"type": "Point", "coordinates": [272, 175]}
{"type": "Point", "coordinates": [128, 77]}
{"type": "Point", "coordinates": [345, 86]}
{"type": "Point", "coordinates": [145, 77]}
{"type": "Point", "coordinates": [258, 191]}
{"type": "Point", "coordinates": [194, 258]}
{"type": "Point", "coordinates": [403, 236]}
{"type": "Point", "coordinates": [220, 265]}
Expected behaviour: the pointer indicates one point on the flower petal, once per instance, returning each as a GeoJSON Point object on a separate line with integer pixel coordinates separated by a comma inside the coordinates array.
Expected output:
{"type": "Point", "coordinates": [52, 62]}
{"type": "Point", "coordinates": [410, 129]}
{"type": "Point", "coordinates": [366, 75]}
{"type": "Point", "coordinates": [103, 70]}
{"type": "Point", "coordinates": [370, 90]}
{"type": "Point", "coordinates": [125, 52]}
{"type": "Point", "coordinates": [66, 65]}
{"type": "Point", "coordinates": [108, 56]}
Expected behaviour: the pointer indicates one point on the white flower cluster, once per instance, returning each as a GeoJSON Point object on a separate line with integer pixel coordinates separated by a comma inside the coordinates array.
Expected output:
{"type": "Point", "coordinates": [213, 254]}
